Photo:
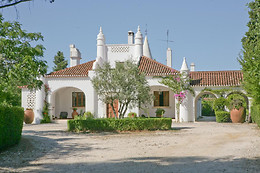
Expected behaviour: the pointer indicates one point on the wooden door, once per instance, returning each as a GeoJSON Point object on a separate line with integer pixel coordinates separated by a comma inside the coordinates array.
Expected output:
{"type": "Point", "coordinates": [110, 113]}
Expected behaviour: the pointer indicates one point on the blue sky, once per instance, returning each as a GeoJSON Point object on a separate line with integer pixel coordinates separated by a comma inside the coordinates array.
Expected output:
{"type": "Point", "coordinates": [206, 32]}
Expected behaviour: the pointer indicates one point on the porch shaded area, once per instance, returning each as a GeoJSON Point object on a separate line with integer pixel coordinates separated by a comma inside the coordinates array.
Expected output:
{"type": "Point", "coordinates": [64, 100]}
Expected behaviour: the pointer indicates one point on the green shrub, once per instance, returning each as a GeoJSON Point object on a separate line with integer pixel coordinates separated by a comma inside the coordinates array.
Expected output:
{"type": "Point", "coordinates": [159, 112]}
{"type": "Point", "coordinates": [88, 114]}
{"type": "Point", "coordinates": [207, 108]}
{"type": "Point", "coordinates": [255, 113]}
{"type": "Point", "coordinates": [219, 104]}
{"type": "Point", "coordinates": [132, 115]}
{"type": "Point", "coordinates": [126, 124]}
{"type": "Point", "coordinates": [222, 116]}
{"type": "Point", "coordinates": [46, 118]}
{"type": "Point", "coordinates": [236, 101]}
{"type": "Point", "coordinates": [11, 125]}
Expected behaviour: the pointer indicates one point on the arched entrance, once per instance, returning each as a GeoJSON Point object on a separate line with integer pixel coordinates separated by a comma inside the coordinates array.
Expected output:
{"type": "Point", "coordinates": [63, 100]}
{"type": "Point", "coordinates": [203, 106]}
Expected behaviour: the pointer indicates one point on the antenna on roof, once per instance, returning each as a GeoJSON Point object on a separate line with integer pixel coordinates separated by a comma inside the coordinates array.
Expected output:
{"type": "Point", "coordinates": [146, 29]}
{"type": "Point", "coordinates": [167, 38]}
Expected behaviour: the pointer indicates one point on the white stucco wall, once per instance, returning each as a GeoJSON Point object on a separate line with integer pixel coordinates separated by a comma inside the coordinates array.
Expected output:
{"type": "Point", "coordinates": [25, 92]}
{"type": "Point", "coordinates": [61, 94]}
{"type": "Point", "coordinates": [120, 53]}
{"type": "Point", "coordinates": [156, 86]}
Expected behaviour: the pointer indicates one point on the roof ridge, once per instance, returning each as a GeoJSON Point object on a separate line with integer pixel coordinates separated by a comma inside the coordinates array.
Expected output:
{"type": "Point", "coordinates": [157, 63]}
{"type": "Point", "coordinates": [218, 71]}
{"type": "Point", "coordinates": [53, 73]}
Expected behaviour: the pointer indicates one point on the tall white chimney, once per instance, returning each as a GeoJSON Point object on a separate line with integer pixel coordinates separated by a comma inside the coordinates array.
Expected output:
{"type": "Point", "coordinates": [131, 37]}
{"type": "Point", "coordinates": [169, 57]}
{"type": "Point", "coordinates": [75, 56]}
{"type": "Point", "coordinates": [192, 67]}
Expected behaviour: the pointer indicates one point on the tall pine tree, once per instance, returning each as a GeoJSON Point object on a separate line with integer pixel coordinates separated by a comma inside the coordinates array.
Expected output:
{"type": "Point", "coordinates": [59, 61]}
{"type": "Point", "coordinates": [250, 60]}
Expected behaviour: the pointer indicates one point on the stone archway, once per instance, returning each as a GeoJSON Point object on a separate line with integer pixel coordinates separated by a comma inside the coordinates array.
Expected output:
{"type": "Point", "coordinates": [197, 103]}
{"type": "Point", "coordinates": [65, 99]}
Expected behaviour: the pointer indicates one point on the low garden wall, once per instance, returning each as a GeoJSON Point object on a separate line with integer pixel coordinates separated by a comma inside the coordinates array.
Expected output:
{"type": "Point", "coordinates": [11, 125]}
{"type": "Point", "coordinates": [126, 124]}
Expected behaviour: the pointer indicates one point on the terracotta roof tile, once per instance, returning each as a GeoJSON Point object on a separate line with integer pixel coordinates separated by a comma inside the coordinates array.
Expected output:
{"type": "Point", "coordinates": [216, 78]}
{"type": "Point", "coordinates": [151, 67]}
{"type": "Point", "coordinates": [80, 70]}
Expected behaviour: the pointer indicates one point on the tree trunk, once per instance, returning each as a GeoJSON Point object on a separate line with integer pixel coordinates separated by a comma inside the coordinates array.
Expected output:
{"type": "Point", "coordinates": [126, 106]}
{"type": "Point", "coordinates": [114, 111]}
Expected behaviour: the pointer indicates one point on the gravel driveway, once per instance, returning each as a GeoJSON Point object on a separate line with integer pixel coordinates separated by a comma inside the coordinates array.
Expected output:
{"type": "Point", "coordinates": [189, 147]}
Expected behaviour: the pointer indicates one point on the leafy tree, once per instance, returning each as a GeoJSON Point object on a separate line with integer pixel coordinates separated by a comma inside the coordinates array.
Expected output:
{"type": "Point", "coordinates": [123, 83]}
{"type": "Point", "coordinates": [250, 60]}
{"type": "Point", "coordinates": [19, 61]}
{"type": "Point", "coordinates": [9, 3]}
{"type": "Point", "coordinates": [59, 61]}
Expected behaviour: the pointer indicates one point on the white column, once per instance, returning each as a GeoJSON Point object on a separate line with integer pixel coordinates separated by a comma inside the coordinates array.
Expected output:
{"type": "Point", "coordinates": [186, 109]}
{"type": "Point", "coordinates": [92, 98]}
{"type": "Point", "coordinates": [176, 111]}
{"type": "Point", "coordinates": [101, 44]}
{"type": "Point", "coordinates": [38, 105]}
{"type": "Point", "coordinates": [169, 57]}
{"type": "Point", "coordinates": [52, 103]}
{"type": "Point", "coordinates": [138, 44]}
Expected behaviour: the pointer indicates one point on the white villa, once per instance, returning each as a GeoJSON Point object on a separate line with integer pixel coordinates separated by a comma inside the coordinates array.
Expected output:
{"type": "Point", "coordinates": [72, 88]}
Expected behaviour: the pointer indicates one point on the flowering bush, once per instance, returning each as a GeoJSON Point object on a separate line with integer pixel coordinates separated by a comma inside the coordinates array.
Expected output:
{"type": "Point", "coordinates": [180, 85]}
{"type": "Point", "coordinates": [181, 96]}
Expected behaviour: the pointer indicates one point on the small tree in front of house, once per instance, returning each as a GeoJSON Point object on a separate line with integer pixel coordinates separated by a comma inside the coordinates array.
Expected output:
{"type": "Point", "coordinates": [59, 61]}
{"type": "Point", "coordinates": [123, 83]}
{"type": "Point", "coordinates": [180, 86]}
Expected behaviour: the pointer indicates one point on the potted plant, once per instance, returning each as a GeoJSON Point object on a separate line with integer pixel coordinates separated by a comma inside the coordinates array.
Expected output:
{"type": "Point", "coordinates": [159, 112]}
{"type": "Point", "coordinates": [132, 115]}
{"type": "Point", "coordinates": [74, 113]}
{"type": "Point", "coordinates": [237, 110]}
{"type": "Point", "coordinates": [28, 116]}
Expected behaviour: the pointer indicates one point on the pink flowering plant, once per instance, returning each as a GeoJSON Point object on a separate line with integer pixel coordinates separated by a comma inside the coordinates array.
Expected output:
{"type": "Point", "coordinates": [180, 85]}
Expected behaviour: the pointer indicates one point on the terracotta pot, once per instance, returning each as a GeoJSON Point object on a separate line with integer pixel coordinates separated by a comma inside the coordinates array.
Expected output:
{"type": "Point", "coordinates": [237, 116]}
{"type": "Point", "coordinates": [28, 116]}
{"type": "Point", "coordinates": [159, 116]}
{"type": "Point", "coordinates": [74, 113]}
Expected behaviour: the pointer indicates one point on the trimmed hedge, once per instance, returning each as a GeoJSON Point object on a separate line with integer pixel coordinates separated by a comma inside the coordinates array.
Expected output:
{"type": "Point", "coordinates": [126, 124]}
{"type": "Point", "coordinates": [11, 125]}
{"type": "Point", "coordinates": [255, 114]}
{"type": "Point", "coordinates": [222, 116]}
{"type": "Point", "coordinates": [207, 108]}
